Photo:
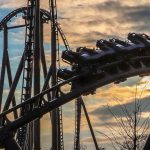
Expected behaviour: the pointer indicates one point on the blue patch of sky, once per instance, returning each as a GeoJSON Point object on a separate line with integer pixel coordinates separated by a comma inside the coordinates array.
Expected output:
{"type": "Point", "coordinates": [48, 47]}
{"type": "Point", "coordinates": [4, 12]}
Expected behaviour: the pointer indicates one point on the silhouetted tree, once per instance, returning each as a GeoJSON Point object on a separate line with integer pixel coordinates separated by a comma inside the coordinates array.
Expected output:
{"type": "Point", "coordinates": [131, 128]}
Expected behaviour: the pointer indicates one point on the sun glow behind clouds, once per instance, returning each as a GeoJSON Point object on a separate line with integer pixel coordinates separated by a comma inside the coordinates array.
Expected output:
{"type": "Point", "coordinates": [145, 82]}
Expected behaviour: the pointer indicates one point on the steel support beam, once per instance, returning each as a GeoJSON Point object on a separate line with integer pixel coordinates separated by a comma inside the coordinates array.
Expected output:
{"type": "Point", "coordinates": [10, 80]}
{"type": "Point", "coordinates": [55, 112]}
{"type": "Point", "coordinates": [6, 63]}
{"type": "Point", "coordinates": [14, 84]}
{"type": "Point", "coordinates": [49, 74]}
{"type": "Point", "coordinates": [2, 78]}
{"type": "Point", "coordinates": [77, 123]}
{"type": "Point", "coordinates": [37, 36]}
{"type": "Point", "coordinates": [89, 124]}
{"type": "Point", "coordinates": [43, 61]}
{"type": "Point", "coordinates": [19, 26]}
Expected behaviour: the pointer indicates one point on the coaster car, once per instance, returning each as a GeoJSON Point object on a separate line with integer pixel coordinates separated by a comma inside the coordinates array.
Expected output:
{"type": "Point", "coordinates": [70, 56]}
{"type": "Point", "coordinates": [139, 38]}
{"type": "Point", "coordinates": [120, 46]}
{"type": "Point", "coordinates": [108, 49]}
{"type": "Point", "coordinates": [85, 55]}
{"type": "Point", "coordinates": [65, 74]}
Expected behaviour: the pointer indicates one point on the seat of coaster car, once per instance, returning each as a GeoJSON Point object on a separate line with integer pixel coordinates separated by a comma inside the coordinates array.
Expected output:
{"type": "Point", "coordinates": [129, 47]}
{"type": "Point", "coordinates": [84, 55]}
{"type": "Point", "coordinates": [92, 55]}
{"type": "Point", "coordinates": [124, 46]}
{"type": "Point", "coordinates": [139, 38]}
{"type": "Point", "coordinates": [70, 56]}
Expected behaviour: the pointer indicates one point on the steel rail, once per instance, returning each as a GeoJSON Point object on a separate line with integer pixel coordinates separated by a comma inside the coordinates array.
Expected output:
{"type": "Point", "coordinates": [126, 74]}
{"type": "Point", "coordinates": [66, 97]}
{"type": "Point", "coordinates": [104, 81]}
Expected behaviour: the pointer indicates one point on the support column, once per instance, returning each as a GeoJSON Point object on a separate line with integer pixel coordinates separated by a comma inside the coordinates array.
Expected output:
{"type": "Point", "coordinates": [43, 59]}
{"type": "Point", "coordinates": [14, 84]}
{"type": "Point", "coordinates": [77, 124]}
{"type": "Point", "coordinates": [54, 79]}
{"type": "Point", "coordinates": [37, 144]}
{"type": "Point", "coordinates": [6, 63]}
{"type": "Point", "coordinates": [2, 78]}
{"type": "Point", "coordinates": [90, 125]}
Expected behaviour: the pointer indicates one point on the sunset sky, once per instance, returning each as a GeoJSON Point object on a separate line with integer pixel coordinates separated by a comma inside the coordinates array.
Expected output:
{"type": "Point", "coordinates": [84, 22]}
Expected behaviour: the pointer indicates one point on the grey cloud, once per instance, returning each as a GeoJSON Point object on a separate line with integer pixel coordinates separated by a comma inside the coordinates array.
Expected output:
{"type": "Point", "coordinates": [104, 114]}
{"type": "Point", "coordinates": [88, 38]}
{"type": "Point", "coordinates": [125, 14]}
{"type": "Point", "coordinates": [92, 37]}
{"type": "Point", "coordinates": [136, 19]}
{"type": "Point", "coordinates": [135, 14]}
{"type": "Point", "coordinates": [108, 5]}
{"type": "Point", "coordinates": [139, 13]}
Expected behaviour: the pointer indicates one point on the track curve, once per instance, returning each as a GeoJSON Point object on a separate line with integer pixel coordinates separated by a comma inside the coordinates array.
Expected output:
{"type": "Point", "coordinates": [88, 77]}
{"type": "Point", "coordinates": [45, 14]}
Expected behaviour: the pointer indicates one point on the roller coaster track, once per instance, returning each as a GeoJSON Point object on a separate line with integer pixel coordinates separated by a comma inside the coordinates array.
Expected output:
{"type": "Point", "coordinates": [46, 15]}
{"type": "Point", "coordinates": [25, 133]}
{"type": "Point", "coordinates": [98, 73]}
